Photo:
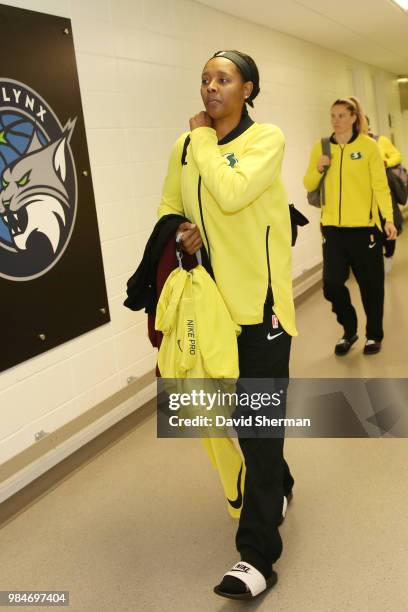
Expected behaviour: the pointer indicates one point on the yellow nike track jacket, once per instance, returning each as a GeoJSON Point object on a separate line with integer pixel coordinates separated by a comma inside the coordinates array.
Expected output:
{"type": "Point", "coordinates": [200, 342]}
{"type": "Point", "coordinates": [246, 216]}
{"type": "Point", "coordinates": [199, 336]}
{"type": "Point", "coordinates": [355, 185]}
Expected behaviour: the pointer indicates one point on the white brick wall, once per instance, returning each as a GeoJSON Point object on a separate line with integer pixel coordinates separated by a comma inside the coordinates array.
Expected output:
{"type": "Point", "coordinates": [139, 65]}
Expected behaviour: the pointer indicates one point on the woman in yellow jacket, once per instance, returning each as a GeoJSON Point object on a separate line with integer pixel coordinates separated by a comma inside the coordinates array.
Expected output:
{"type": "Point", "coordinates": [355, 188]}
{"type": "Point", "coordinates": [391, 157]}
{"type": "Point", "coordinates": [229, 186]}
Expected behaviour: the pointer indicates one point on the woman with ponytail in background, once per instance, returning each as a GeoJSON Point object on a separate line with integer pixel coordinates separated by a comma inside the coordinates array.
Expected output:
{"type": "Point", "coordinates": [356, 188]}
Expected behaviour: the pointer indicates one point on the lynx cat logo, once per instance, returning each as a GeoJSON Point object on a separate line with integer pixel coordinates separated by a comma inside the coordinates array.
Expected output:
{"type": "Point", "coordinates": [38, 183]}
{"type": "Point", "coordinates": [232, 160]}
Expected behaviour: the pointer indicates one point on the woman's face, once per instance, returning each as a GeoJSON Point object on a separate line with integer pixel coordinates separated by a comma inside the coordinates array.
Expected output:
{"type": "Point", "coordinates": [223, 89]}
{"type": "Point", "coordinates": [342, 119]}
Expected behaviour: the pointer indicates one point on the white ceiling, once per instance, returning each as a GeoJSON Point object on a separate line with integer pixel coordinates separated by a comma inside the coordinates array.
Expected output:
{"type": "Point", "coordinates": [373, 31]}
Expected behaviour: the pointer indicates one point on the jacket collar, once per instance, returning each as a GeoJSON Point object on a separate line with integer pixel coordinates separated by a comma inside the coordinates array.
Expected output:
{"type": "Point", "coordinates": [352, 139]}
{"type": "Point", "coordinates": [242, 126]}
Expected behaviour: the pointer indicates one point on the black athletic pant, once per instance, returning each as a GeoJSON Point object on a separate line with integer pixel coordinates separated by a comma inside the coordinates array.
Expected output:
{"type": "Point", "coordinates": [361, 250]}
{"type": "Point", "coordinates": [389, 245]}
{"type": "Point", "coordinates": [268, 476]}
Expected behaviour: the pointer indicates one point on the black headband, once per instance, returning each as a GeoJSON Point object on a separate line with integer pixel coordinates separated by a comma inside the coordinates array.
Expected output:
{"type": "Point", "coordinates": [240, 62]}
{"type": "Point", "coordinates": [245, 69]}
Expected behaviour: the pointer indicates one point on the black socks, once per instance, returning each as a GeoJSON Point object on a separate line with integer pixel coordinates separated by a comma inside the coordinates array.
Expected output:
{"type": "Point", "coordinates": [229, 584]}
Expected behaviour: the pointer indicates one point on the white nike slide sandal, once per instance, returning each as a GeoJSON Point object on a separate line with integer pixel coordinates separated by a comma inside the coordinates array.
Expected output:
{"type": "Point", "coordinates": [251, 577]}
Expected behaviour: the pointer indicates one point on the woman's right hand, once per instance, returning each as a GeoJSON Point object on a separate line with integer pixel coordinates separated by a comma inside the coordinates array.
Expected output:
{"type": "Point", "coordinates": [323, 161]}
{"type": "Point", "coordinates": [190, 237]}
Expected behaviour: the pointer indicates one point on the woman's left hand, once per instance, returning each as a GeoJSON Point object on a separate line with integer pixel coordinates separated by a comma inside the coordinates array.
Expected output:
{"type": "Point", "coordinates": [390, 230]}
{"type": "Point", "coordinates": [203, 119]}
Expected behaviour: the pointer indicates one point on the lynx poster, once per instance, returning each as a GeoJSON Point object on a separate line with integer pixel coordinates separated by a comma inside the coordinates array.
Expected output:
{"type": "Point", "coordinates": [52, 285]}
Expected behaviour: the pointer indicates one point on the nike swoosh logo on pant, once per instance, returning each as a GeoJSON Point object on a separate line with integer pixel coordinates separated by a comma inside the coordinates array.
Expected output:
{"type": "Point", "coordinates": [237, 503]}
{"type": "Point", "coordinates": [269, 337]}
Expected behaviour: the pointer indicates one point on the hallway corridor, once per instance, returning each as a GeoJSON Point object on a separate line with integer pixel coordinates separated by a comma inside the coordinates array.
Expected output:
{"type": "Point", "coordinates": [143, 527]}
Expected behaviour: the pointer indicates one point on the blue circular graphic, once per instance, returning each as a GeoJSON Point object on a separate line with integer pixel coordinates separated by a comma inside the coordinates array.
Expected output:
{"type": "Point", "coordinates": [38, 183]}
{"type": "Point", "coordinates": [16, 132]}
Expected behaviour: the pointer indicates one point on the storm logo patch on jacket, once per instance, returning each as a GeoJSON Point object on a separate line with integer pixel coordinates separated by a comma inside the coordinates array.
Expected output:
{"type": "Point", "coordinates": [231, 159]}
{"type": "Point", "coordinates": [356, 155]}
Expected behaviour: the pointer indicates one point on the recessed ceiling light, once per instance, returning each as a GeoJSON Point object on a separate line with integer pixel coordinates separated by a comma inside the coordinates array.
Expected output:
{"type": "Point", "coordinates": [402, 79]}
{"type": "Point", "coordinates": [402, 4]}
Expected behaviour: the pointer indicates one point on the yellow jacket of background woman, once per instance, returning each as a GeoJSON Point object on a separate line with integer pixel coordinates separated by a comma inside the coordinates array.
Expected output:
{"type": "Point", "coordinates": [246, 216]}
{"type": "Point", "coordinates": [389, 153]}
{"type": "Point", "coordinates": [355, 185]}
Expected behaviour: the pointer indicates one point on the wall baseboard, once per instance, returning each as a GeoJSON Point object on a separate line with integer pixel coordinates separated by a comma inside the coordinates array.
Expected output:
{"type": "Point", "coordinates": [37, 468]}
{"type": "Point", "coordinates": [307, 282]}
